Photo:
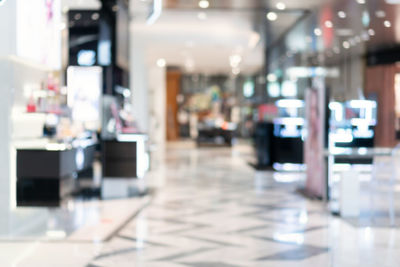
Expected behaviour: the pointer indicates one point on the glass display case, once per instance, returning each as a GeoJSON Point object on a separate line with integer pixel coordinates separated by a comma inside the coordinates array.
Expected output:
{"type": "Point", "coordinates": [288, 135]}
{"type": "Point", "coordinates": [352, 123]}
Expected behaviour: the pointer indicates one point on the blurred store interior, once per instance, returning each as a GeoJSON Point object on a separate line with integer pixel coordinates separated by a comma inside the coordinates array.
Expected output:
{"type": "Point", "coordinates": [199, 133]}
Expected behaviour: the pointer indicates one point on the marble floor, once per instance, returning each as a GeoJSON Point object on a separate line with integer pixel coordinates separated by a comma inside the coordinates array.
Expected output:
{"type": "Point", "coordinates": [209, 208]}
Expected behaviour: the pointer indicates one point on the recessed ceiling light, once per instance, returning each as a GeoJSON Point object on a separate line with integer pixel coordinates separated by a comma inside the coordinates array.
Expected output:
{"type": "Point", "coordinates": [281, 6]}
{"type": "Point", "coordinates": [317, 31]}
{"type": "Point", "coordinates": [161, 62]}
{"type": "Point", "coordinates": [328, 24]}
{"type": "Point", "coordinates": [387, 24]}
{"type": "Point", "coordinates": [346, 45]}
{"type": "Point", "coordinates": [361, 2]}
{"type": "Point", "coordinates": [272, 16]}
{"type": "Point", "coordinates": [341, 14]}
{"type": "Point", "coordinates": [204, 4]}
{"type": "Point", "coordinates": [95, 16]}
{"type": "Point", "coordinates": [202, 16]}
{"type": "Point", "coordinates": [371, 32]}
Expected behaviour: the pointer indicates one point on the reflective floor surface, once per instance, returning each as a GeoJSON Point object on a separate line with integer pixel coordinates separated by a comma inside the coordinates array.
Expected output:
{"type": "Point", "coordinates": [211, 209]}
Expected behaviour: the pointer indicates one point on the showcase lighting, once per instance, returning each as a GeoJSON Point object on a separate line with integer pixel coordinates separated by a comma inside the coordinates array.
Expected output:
{"type": "Point", "coordinates": [305, 72]}
{"type": "Point", "coordinates": [362, 104]}
{"type": "Point", "coordinates": [272, 77]}
{"type": "Point", "coordinates": [290, 103]}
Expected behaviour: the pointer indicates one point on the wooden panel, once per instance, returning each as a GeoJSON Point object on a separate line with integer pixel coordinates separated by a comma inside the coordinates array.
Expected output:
{"type": "Point", "coordinates": [380, 81]}
{"type": "Point", "coordinates": [173, 89]}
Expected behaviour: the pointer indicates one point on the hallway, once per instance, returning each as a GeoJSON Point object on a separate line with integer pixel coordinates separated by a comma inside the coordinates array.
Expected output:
{"type": "Point", "coordinates": [216, 211]}
{"type": "Point", "coordinates": [211, 209]}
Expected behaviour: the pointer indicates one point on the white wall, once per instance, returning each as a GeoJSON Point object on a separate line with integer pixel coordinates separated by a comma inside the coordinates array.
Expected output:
{"type": "Point", "coordinates": [139, 84]}
{"type": "Point", "coordinates": [7, 46]}
{"type": "Point", "coordinates": [15, 74]}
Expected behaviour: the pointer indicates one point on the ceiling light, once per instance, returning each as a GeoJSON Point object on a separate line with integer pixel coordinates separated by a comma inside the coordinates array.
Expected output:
{"type": "Point", "coordinates": [346, 45]}
{"type": "Point", "coordinates": [380, 14]}
{"type": "Point", "coordinates": [95, 16]}
{"type": "Point", "coordinates": [272, 16]}
{"type": "Point", "coordinates": [78, 16]}
{"type": "Point", "coordinates": [387, 24]}
{"type": "Point", "coordinates": [202, 16]}
{"type": "Point", "coordinates": [371, 32]}
{"type": "Point", "coordinates": [341, 14]}
{"type": "Point", "coordinates": [361, 2]}
{"type": "Point", "coordinates": [281, 6]}
{"type": "Point", "coordinates": [328, 24]}
{"type": "Point", "coordinates": [204, 4]}
{"type": "Point", "coordinates": [317, 31]}
{"type": "Point", "coordinates": [161, 62]}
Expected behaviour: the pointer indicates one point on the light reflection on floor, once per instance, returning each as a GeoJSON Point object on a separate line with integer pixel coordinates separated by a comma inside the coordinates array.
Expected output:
{"type": "Point", "coordinates": [212, 209]}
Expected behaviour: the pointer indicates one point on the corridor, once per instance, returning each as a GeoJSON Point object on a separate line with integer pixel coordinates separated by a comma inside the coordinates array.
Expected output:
{"type": "Point", "coordinates": [216, 211]}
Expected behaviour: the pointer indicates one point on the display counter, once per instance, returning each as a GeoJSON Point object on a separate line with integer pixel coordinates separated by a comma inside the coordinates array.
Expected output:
{"type": "Point", "coordinates": [339, 155]}
{"type": "Point", "coordinates": [288, 134]}
{"type": "Point", "coordinates": [46, 170]}
{"type": "Point", "coordinates": [126, 156]}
